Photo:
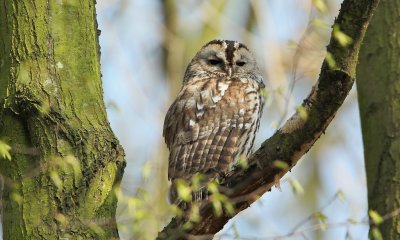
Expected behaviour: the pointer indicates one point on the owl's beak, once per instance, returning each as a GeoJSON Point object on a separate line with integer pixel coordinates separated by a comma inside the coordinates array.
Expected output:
{"type": "Point", "coordinates": [229, 70]}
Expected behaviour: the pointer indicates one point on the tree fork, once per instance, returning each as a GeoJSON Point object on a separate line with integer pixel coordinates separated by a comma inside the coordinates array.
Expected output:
{"type": "Point", "coordinates": [66, 160]}
{"type": "Point", "coordinates": [297, 136]}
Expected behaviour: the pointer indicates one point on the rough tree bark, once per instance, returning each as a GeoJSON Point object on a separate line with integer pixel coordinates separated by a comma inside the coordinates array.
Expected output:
{"type": "Point", "coordinates": [378, 86]}
{"type": "Point", "coordinates": [65, 158]}
{"type": "Point", "coordinates": [297, 136]}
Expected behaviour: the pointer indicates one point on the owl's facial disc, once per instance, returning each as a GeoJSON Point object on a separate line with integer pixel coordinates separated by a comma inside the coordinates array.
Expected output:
{"type": "Point", "coordinates": [222, 58]}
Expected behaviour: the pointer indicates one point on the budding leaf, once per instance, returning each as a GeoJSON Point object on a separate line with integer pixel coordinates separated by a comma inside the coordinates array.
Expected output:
{"type": "Point", "coordinates": [281, 164]}
{"type": "Point", "coordinates": [320, 5]}
{"type": "Point", "coordinates": [375, 217]}
{"type": "Point", "coordinates": [184, 191]}
{"type": "Point", "coordinates": [5, 150]}
{"type": "Point", "coordinates": [376, 234]}
{"type": "Point", "coordinates": [343, 39]}
{"type": "Point", "coordinates": [296, 186]}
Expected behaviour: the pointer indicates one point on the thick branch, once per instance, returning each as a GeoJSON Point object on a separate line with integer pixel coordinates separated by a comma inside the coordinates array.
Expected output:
{"type": "Point", "coordinates": [297, 136]}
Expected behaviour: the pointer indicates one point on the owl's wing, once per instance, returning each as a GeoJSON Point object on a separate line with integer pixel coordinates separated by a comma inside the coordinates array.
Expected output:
{"type": "Point", "coordinates": [202, 128]}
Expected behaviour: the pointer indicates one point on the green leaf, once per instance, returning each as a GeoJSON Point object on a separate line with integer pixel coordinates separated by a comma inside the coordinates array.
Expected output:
{"type": "Point", "coordinates": [56, 179]}
{"type": "Point", "coordinates": [197, 180]}
{"type": "Point", "coordinates": [146, 170]}
{"type": "Point", "coordinates": [320, 217]}
{"type": "Point", "coordinates": [302, 111]}
{"type": "Point", "coordinates": [213, 187]}
{"type": "Point", "coordinates": [296, 186]}
{"type": "Point", "coordinates": [217, 205]}
{"type": "Point", "coordinates": [343, 39]}
{"type": "Point", "coordinates": [331, 61]}
{"type": "Point", "coordinates": [187, 225]}
{"type": "Point", "coordinates": [16, 197]}
{"type": "Point", "coordinates": [61, 218]}
{"type": "Point", "coordinates": [264, 92]}
{"type": "Point", "coordinates": [375, 217]}
{"type": "Point", "coordinates": [376, 234]}
{"type": "Point", "coordinates": [76, 167]}
{"type": "Point", "coordinates": [242, 162]}
{"type": "Point", "coordinates": [341, 196]}
{"type": "Point", "coordinates": [320, 23]}
{"type": "Point", "coordinates": [280, 164]}
{"type": "Point", "coordinates": [320, 5]}
{"type": "Point", "coordinates": [140, 214]}
{"type": "Point", "coordinates": [134, 203]}
{"type": "Point", "coordinates": [5, 150]}
{"type": "Point", "coordinates": [229, 207]}
{"type": "Point", "coordinates": [184, 191]}
{"type": "Point", "coordinates": [175, 210]}
{"type": "Point", "coordinates": [195, 213]}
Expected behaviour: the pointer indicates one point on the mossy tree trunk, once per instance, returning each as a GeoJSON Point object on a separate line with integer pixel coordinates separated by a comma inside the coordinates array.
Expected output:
{"type": "Point", "coordinates": [378, 84]}
{"type": "Point", "coordinates": [66, 161]}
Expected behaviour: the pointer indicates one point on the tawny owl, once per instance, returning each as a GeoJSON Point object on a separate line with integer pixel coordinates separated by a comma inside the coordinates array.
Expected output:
{"type": "Point", "coordinates": [214, 119]}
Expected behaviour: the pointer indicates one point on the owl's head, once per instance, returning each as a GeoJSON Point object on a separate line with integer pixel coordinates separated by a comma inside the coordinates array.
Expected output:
{"type": "Point", "coordinates": [223, 58]}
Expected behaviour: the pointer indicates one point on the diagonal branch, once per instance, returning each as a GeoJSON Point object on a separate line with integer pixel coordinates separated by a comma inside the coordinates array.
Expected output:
{"type": "Point", "coordinates": [297, 136]}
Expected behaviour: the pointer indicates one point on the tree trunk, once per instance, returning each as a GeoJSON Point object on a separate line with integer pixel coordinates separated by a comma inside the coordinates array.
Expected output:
{"type": "Point", "coordinates": [66, 161]}
{"type": "Point", "coordinates": [378, 85]}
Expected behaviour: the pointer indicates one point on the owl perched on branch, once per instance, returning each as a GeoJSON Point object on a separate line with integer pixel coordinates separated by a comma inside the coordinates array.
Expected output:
{"type": "Point", "coordinates": [215, 117]}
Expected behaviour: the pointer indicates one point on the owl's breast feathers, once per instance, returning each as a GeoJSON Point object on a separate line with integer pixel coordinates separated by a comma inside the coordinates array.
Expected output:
{"type": "Point", "coordinates": [211, 124]}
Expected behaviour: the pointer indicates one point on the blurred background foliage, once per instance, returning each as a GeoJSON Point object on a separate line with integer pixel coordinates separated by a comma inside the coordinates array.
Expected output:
{"type": "Point", "coordinates": [146, 45]}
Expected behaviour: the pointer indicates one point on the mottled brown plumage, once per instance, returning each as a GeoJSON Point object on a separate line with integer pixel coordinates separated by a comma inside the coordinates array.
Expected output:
{"type": "Point", "coordinates": [214, 119]}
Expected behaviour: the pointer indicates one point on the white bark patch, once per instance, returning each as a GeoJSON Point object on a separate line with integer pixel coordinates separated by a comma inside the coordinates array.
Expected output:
{"type": "Point", "coordinates": [241, 112]}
